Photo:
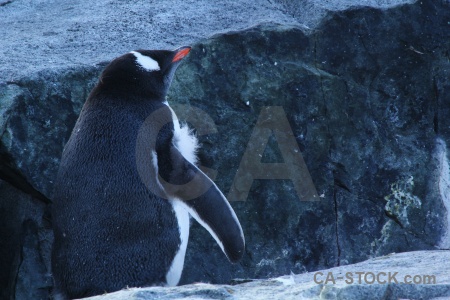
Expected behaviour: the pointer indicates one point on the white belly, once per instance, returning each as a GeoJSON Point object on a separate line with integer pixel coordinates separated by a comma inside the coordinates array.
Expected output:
{"type": "Point", "coordinates": [186, 142]}
{"type": "Point", "coordinates": [174, 273]}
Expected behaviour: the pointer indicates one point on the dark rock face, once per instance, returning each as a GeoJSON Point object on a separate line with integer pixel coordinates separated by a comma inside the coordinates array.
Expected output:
{"type": "Point", "coordinates": [37, 118]}
{"type": "Point", "coordinates": [365, 107]}
{"type": "Point", "coordinates": [25, 244]}
{"type": "Point", "coordinates": [366, 97]}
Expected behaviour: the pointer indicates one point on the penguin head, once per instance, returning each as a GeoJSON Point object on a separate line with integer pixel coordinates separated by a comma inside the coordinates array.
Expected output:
{"type": "Point", "coordinates": [145, 72]}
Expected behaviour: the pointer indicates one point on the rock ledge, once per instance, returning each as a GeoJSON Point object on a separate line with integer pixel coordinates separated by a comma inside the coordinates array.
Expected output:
{"type": "Point", "coordinates": [430, 269]}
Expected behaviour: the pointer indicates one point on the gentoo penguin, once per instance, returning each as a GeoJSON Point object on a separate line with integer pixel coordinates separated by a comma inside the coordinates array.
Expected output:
{"type": "Point", "coordinates": [127, 183]}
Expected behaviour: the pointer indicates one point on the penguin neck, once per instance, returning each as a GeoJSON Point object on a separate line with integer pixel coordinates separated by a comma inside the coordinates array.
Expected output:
{"type": "Point", "coordinates": [134, 92]}
{"type": "Point", "coordinates": [114, 102]}
{"type": "Point", "coordinates": [118, 95]}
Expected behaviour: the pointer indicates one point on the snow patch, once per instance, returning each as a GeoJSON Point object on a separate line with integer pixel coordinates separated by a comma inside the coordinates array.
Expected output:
{"type": "Point", "coordinates": [444, 188]}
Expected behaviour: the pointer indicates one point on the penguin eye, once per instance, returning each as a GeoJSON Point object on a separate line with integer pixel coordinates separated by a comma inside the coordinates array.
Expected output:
{"type": "Point", "coordinates": [146, 62]}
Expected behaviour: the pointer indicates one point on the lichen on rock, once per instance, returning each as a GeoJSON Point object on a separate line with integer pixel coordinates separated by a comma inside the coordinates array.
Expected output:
{"type": "Point", "coordinates": [402, 200]}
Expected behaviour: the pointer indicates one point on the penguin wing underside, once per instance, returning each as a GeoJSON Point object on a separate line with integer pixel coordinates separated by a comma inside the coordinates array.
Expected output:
{"type": "Point", "coordinates": [206, 203]}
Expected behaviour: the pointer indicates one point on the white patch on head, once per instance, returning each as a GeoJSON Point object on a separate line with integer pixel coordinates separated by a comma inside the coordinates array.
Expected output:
{"type": "Point", "coordinates": [176, 268]}
{"type": "Point", "coordinates": [145, 62]}
{"type": "Point", "coordinates": [184, 139]}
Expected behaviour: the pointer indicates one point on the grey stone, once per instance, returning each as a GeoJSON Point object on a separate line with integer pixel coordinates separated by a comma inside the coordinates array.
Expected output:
{"type": "Point", "coordinates": [39, 121]}
{"type": "Point", "coordinates": [46, 35]}
{"type": "Point", "coordinates": [25, 243]}
{"type": "Point", "coordinates": [373, 155]}
{"type": "Point", "coordinates": [396, 274]}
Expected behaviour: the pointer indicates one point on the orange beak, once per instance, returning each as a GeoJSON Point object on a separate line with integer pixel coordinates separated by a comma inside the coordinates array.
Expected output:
{"type": "Point", "coordinates": [181, 54]}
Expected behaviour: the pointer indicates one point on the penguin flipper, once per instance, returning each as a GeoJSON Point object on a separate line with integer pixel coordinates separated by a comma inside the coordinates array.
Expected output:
{"type": "Point", "coordinates": [206, 204]}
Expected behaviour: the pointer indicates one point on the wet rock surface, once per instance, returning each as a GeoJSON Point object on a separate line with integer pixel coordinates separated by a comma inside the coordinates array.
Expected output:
{"type": "Point", "coordinates": [365, 92]}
